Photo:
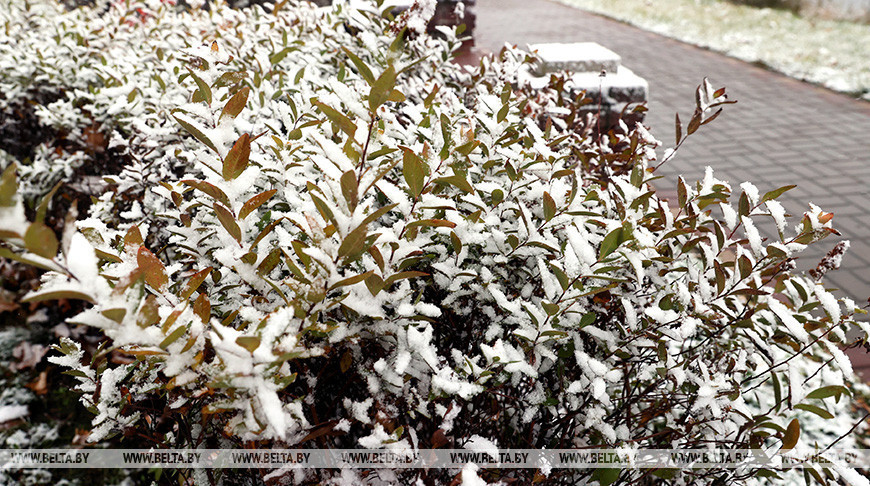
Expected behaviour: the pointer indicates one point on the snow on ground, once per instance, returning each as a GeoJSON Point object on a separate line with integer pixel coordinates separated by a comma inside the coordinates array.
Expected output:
{"type": "Point", "coordinates": [830, 53]}
{"type": "Point", "coordinates": [12, 412]}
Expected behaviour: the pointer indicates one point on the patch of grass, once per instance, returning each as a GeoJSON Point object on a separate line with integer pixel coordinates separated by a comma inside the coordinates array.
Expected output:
{"type": "Point", "coordinates": [826, 52]}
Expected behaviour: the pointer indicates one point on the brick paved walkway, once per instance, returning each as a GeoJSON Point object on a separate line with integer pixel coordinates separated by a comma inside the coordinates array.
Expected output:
{"type": "Point", "coordinates": [780, 132]}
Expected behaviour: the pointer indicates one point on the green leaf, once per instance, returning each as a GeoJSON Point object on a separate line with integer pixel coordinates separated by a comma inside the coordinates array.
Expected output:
{"type": "Point", "coordinates": [610, 243]}
{"type": "Point", "coordinates": [77, 374]}
{"type": "Point", "coordinates": [363, 69]}
{"type": "Point", "coordinates": [377, 214]}
{"type": "Point", "coordinates": [229, 79]}
{"type": "Point", "coordinates": [637, 175]}
{"type": "Point", "coordinates": [549, 206]}
{"type": "Point", "coordinates": [236, 160]}
{"type": "Point", "coordinates": [57, 295]}
{"type": "Point", "coordinates": [8, 185]}
{"type": "Point", "coordinates": [435, 223]}
{"type": "Point", "coordinates": [456, 242]}
{"type": "Point", "coordinates": [457, 180]}
{"type": "Point", "coordinates": [152, 269]}
{"type": "Point", "coordinates": [774, 252]}
{"type": "Point", "coordinates": [828, 391]}
{"type": "Point", "coordinates": [821, 412]}
{"type": "Point", "coordinates": [116, 314]}
{"type": "Point", "coordinates": [344, 123]}
{"type": "Point", "coordinates": [349, 189]}
{"type": "Point", "coordinates": [777, 391]}
{"type": "Point", "coordinates": [587, 319]}
{"type": "Point", "coordinates": [194, 282]}
{"type": "Point", "coordinates": [414, 171]}
{"type": "Point", "coordinates": [280, 55]}
{"type": "Point", "coordinates": [682, 193]}
{"type": "Point", "coordinates": [666, 473]}
{"type": "Point", "coordinates": [41, 240]}
{"type": "Point", "coordinates": [268, 229]}
{"type": "Point", "coordinates": [352, 280]}
{"type": "Point", "coordinates": [606, 475]}
{"type": "Point", "coordinates": [322, 207]}
{"type": "Point", "coordinates": [561, 276]}
{"type": "Point", "coordinates": [354, 244]}
{"type": "Point", "coordinates": [743, 205]}
{"type": "Point", "coordinates": [270, 262]}
{"type": "Point", "coordinates": [204, 89]}
{"type": "Point", "coordinates": [175, 336]}
{"type": "Point", "coordinates": [374, 283]}
{"type": "Point", "coordinates": [431, 96]}
{"type": "Point", "coordinates": [497, 197]}
{"type": "Point", "coordinates": [228, 221]}
{"type": "Point", "coordinates": [502, 113]}
{"type": "Point", "coordinates": [209, 189]}
{"type": "Point", "coordinates": [403, 275]}
{"type": "Point", "coordinates": [43, 203]}
{"type": "Point", "coordinates": [236, 104]}
{"type": "Point", "coordinates": [251, 343]}
{"type": "Point", "coordinates": [791, 435]}
{"type": "Point", "coordinates": [745, 266]}
{"type": "Point", "coordinates": [197, 133]}
{"type": "Point", "coordinates": [550, 308]}
{"type": "Point", "coordinates": [396, 96]}
{"type": "Point", "coordinates": [399, 42]}
{"type": "Point", "coordinates": [720, 276]}
{"type": "Point", "coordinates": [255, 202]}
{"type": "Point", "coordinates": [766, 473]}
{"type": "Point", "coordinates": [250, 258]}
{"type": "Point", "coordinates": [776, 192]}
{"type": "Point", "coordinates": [382, 88]}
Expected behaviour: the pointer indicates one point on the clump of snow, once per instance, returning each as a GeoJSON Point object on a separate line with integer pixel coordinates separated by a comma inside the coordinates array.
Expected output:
{"type": "Point", "coordinates": [13, 412]}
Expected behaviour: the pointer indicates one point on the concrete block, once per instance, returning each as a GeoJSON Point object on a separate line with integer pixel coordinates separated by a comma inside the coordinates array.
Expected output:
{"type": "Point", "coordinates": [578, 57]}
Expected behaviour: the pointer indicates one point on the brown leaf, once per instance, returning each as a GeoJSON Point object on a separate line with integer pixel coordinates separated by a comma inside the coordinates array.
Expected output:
{"type": "Point", "coordinates": [236, 160]}
{"type": "Point", "coordinates": [28, 355]}
{"type": "Point", "coordinates": [792, 434]}
{"type": "Point", "coordinates": [202, 308]}
{"type": "Point", "coordinates": [255, 202]}
{"type": "Point", "coordinates": [236, 104]}
{"type": "Point", "coordinates": [228, 221]}
{"type": "Point", "coordinates": [133, 237]}
{"type": "Point", "coordinates": [152, 268]}
{"type": "Point", "coordinates": [40, 384]}
{"type": "Point", "coordinates": [439, 439]}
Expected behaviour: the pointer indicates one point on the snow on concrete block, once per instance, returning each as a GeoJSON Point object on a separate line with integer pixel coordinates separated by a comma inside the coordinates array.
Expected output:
{"type": "Point", "coordinates": [578, 57]}
{"type": "Point", "coordinates": [611, 86]}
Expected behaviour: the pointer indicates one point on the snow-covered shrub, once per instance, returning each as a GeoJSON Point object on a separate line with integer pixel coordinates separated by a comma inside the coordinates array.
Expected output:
{"type": "Point", "coordinates": [327, 235]}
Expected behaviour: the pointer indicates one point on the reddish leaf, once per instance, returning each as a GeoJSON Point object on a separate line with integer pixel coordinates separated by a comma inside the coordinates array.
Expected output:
{"type": "Point", "coordinates": [255, 202]}
{"type": "Point", "coordinates": [152, 269]}
{"type": "Point", "coordinates": [209, 189]}
{"type": "Point", "coordinates": [236, 104]}
{"type": "Point", "coordinates": [792, 434]}
{"type": "Point", "coordinates": [195, 281]}
{"type": "Point", "coordinates": [228, 221]}
{"type": "Point", "coordinates": [236, 160]}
